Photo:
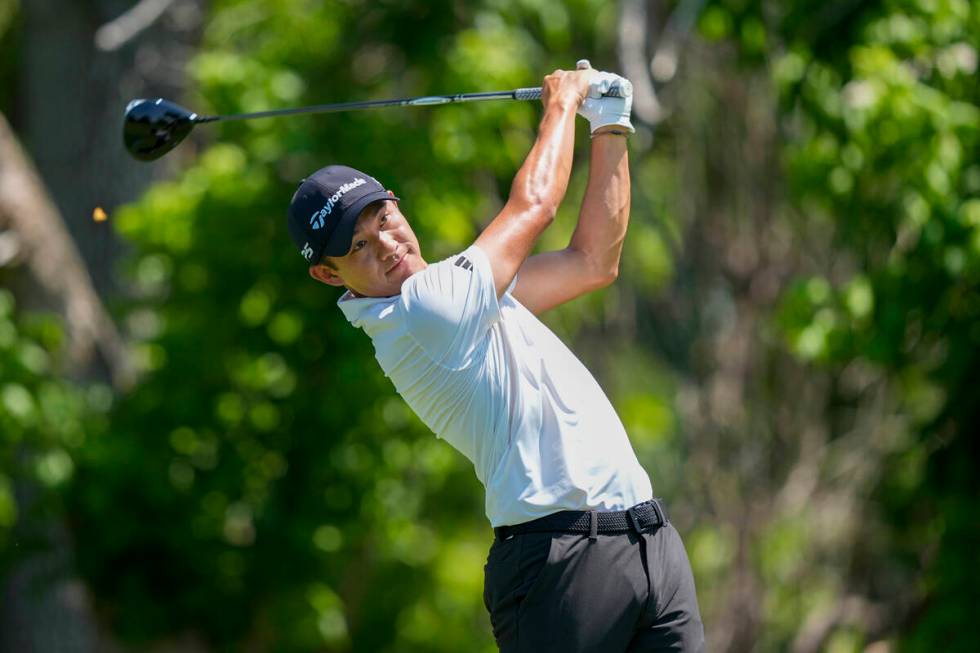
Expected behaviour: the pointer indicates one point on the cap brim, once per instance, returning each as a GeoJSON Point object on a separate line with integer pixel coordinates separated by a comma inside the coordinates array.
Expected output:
{"type": "Point", "coordinates": [340, 240]}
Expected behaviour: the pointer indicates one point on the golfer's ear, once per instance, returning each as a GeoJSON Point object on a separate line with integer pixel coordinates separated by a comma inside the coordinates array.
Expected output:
{"type": "Point", "coordinates": [324, 274]}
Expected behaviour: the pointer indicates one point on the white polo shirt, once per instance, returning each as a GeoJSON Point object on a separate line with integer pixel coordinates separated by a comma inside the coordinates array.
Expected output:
{"type": "Point", "coordinates": [495, 383]}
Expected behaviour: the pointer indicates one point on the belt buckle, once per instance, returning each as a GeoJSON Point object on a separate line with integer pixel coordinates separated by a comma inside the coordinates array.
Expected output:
{"type": "Point", "coordinates": [659, 511]}
{"type": "Point", "coordinates": [503, 533]}
{"type": "Point", "coordinates": [634, 520]}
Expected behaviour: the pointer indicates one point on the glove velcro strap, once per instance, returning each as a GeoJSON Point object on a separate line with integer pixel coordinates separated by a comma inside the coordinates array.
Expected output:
{"type": "Point", "coordinates": [614, 132]}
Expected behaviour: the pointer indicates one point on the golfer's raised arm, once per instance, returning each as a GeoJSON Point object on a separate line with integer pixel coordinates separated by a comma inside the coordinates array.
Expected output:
{"type": "Point", "coordinates": [605, 211]}
{"type": "Point", "coordinates": [591, 260]}
{"type": "Point", "coordinates": [541, 182]}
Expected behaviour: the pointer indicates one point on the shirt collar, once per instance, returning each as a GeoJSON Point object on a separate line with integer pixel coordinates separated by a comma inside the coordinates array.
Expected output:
{"type": "Point", "coordinates": [367, 313]}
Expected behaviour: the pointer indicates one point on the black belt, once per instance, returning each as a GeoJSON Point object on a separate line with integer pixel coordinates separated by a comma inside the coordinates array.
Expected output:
{"type": "Point", "coordinates": [641, 517]}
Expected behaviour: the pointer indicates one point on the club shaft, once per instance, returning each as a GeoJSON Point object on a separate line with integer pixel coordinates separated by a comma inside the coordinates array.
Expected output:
{"type": "Point", "coordinates": [531, 93]}
{"type": "Point", "coordinates": [376, 104]}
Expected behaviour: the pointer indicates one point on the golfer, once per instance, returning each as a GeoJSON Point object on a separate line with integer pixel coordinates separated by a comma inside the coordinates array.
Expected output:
{"type": "Point", "coordinates": [584, 558]}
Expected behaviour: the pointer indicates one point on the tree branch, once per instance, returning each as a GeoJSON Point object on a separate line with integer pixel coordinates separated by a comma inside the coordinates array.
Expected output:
{"type": "Point", "coordinates": [634, 42]}
{"type": "Point", "coordinates": [679, 25]}
{"type": "Point", "coordinates": [54, 261]}
{"type": "Point", "coordinates": [632, 57]}
{"type": "Point", "coordinates": [116, 33]}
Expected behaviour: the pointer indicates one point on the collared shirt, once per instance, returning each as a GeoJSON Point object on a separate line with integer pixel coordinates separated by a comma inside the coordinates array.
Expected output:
{"type": "Point", "coordinates": [494, 382]}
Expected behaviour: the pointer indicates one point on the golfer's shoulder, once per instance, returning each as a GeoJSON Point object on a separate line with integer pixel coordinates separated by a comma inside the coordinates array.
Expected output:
{"type": "Point", "coordinates": [450, 289]}
{"type": "Point", "coordinates": [451, 278]}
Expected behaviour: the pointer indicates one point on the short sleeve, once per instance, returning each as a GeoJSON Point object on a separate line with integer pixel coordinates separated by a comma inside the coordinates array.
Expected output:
{"type": "Point", "coordinates": [450, 306]}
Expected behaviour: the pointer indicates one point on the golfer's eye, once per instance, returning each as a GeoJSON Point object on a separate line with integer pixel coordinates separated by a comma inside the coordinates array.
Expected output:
{"type": "Point", "coordinates": [358, 245]}
{"type": "Point", "coordinates": [384, 218]}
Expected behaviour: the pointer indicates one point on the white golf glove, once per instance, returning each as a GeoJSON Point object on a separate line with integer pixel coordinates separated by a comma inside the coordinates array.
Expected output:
{"type": "Point", "coordinates": [602, 111]}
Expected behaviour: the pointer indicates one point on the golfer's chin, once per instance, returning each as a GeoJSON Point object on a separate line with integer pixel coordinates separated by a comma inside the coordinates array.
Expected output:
{"type": "Point", "coordinates": [390, 283]}
{"type": "Point", "coordinates": [407, 266]}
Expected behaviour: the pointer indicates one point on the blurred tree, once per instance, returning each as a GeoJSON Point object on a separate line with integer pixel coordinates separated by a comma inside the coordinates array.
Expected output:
{"type": "Point", "coordinates": [43, 417]}
{"type": "Point", "coordinates": [42, 424]}
{"type": "Point", "coordinates": [891, 125]}
{"type": "Point", "coordinates": [71, 86]}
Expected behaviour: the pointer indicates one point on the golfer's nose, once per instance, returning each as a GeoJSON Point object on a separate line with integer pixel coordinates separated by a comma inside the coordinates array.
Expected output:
{"type": "Point", "coordinates": [389, 247]}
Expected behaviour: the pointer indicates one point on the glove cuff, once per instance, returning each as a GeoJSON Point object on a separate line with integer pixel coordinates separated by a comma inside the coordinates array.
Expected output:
{"type": "Point", "coordinates": [612, 132]}
{"type": "Point", "coordinates": [622, 121]}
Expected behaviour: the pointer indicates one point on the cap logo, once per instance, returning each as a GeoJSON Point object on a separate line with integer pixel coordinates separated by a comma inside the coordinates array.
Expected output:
{"type": "Point", "coordinates": [307, 251]}
{"type": "Point", "coordinates": [317, 219]}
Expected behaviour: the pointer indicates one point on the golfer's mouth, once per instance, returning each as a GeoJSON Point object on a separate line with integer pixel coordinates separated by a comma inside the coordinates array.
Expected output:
{"type": "Point", "coordinates": [397, 263]}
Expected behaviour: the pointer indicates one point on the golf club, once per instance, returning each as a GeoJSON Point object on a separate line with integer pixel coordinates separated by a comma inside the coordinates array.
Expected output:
{"type": "Point", "coordinates": [151, 128]}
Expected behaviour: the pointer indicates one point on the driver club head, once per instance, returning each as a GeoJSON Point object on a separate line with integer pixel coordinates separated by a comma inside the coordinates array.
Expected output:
{"type": "Point", "coordinates": [151, 128]}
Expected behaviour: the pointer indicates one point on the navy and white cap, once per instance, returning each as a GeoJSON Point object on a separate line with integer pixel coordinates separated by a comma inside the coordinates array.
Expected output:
{"type": "Point", "coordinates": [324, 210]}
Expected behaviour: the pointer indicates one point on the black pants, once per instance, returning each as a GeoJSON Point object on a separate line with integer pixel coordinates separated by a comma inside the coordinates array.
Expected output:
{"type": "Point", "coordinates": [624, 592]}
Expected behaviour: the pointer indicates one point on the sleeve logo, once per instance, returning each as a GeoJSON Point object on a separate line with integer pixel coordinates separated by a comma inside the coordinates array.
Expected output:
{"type": "Point", "coordinates": [463, 262]}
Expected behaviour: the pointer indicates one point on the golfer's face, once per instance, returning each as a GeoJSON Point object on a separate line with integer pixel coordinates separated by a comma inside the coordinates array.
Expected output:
{"type": "Point", "coordinates": [384, 252]}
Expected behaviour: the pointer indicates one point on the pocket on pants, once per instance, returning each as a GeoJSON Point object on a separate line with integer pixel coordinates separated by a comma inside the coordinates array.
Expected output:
{"type": "Point", "coordinates": [513, 573]}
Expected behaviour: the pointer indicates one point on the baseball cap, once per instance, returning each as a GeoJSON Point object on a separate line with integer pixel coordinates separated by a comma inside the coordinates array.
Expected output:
{"type": "Point", "coordinates": [324, 210]}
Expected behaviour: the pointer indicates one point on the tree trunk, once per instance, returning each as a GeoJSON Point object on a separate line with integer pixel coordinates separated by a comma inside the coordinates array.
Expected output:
{"type": "Point", "coordinates": [69, 105]}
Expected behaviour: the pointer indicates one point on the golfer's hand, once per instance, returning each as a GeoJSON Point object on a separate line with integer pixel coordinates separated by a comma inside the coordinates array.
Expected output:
{"type": "Point", "coordinates": [605, 111]}
{"type": "Point", "coordinates": [566, 88]}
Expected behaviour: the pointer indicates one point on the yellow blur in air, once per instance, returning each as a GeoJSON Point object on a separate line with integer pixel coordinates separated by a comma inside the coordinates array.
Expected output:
{"type": "Point", "coordinates": [99, 215]}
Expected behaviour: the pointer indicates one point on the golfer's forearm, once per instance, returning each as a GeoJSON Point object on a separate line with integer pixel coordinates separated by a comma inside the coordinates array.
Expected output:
{"type": "Point", "coordinates": [536, 192]}
{"type": "Point", "coordinates": [542, 180]}
{"type": "Point", "coordinates": [604, 215]}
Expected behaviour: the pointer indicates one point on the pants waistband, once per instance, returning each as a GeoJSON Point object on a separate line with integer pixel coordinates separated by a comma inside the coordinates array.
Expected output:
{"type": "Point", "coordinates": [641, 517]}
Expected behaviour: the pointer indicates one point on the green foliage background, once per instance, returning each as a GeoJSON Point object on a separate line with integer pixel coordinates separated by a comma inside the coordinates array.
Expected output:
{"type": "Point", "coordinates": [43, 421]}
{"type": "Point", "coordinates": [264, 485]}
{"type": "Point", "coordinates": [889, 163]}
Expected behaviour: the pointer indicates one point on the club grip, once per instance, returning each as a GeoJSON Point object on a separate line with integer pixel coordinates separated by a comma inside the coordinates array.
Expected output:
{"type": "Point", "coordinates": [616, 90]}
{"type": "Point", "coordinates": [528, 93]}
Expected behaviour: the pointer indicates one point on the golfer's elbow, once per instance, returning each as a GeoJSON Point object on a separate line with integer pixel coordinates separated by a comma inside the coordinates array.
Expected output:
{"type": "Point", "coordinates": [539, 200]}
{"type": "Point", "coordinates": [536, 207]}
{"type": "Point", "coordinates": [611, 276]}
{"type": "Point", "coordinates": [544, 210]}
{"type": "Point", "coordinates": [605, 278]}
{"type": "Point", "coordinates": [601, 271]}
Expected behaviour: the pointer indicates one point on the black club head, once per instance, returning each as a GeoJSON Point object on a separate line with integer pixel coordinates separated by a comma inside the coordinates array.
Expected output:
{"type": "Point", "coordinates": [151, 128]}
